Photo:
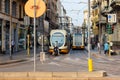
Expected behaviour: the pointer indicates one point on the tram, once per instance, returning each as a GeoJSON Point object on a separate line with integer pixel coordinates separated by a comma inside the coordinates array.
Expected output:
{"type": "Point", "coordinates": [78, 41]}
{"type": "Point", "coordinates": [63, 41]}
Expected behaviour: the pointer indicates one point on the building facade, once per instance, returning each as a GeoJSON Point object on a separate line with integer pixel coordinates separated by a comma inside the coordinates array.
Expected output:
{"type": "Point", "coordinates": [99, 21]}
{"type": "Point", "coordinates": [52, 14]}
{"type": "Point", "coordinates": [101, 9]}
{"type": "Point", "coordinates": [114, 6]}
{"type": "Point", "coordinates": [11, 20]}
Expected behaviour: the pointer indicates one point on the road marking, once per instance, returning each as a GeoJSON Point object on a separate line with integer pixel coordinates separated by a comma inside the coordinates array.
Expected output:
{"type": "Point", "coordinates": [111, 59]}
{"type": "Point", "coordinates": [77, 59]}
{"type": "Point", "coordinates": [68, 58]}
{"type": "Point", "coordinates": [96, 55]}
{"type": "Point", "coordinates": [102, 61]}
{"type": "Point", "coordinates": [54, 63]}
{"type": "Point", "coordinates": [56, 58]}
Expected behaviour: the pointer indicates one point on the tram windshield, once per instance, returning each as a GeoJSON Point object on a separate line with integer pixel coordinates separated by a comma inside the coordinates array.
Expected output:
{"type": "Point", "coordinates": [57, 39]}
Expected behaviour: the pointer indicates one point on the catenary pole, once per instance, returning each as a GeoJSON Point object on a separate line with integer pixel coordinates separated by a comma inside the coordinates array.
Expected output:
{"type": "Point", "coordinates": [90, 66]}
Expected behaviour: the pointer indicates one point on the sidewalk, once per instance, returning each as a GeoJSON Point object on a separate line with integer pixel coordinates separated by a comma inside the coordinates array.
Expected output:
{"type": "Point", "coordinates": [17, 56]}
{"type": "Point", "coordinates": [117, 50]}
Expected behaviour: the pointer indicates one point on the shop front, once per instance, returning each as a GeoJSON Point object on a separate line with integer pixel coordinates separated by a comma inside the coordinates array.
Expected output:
{"type": "Point", "coordinates": [7, 34]}
{"type": "Point", "coordinates": [22, 38]}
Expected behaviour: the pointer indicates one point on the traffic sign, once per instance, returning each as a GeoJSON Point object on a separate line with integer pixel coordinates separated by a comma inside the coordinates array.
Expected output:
{"type": "Point", "coordinates": [112, 18]}
{"type": "Point", "coordinates": [39, 8]}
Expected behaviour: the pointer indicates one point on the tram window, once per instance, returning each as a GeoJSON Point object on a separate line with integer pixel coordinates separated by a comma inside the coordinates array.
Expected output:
{"type": "Point", "coordinates": [57, 37]}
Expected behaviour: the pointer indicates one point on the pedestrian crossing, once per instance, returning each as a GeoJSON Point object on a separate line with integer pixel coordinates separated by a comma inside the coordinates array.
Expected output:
{"type": "Point", "coordinates": [67, 61]}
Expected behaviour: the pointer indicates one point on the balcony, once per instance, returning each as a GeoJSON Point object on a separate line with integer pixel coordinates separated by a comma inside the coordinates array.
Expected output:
{"type": "Point", "coordinates": [95, 18]}
{"type": "Point", "coordinates": [106, 10]}
{"type": "Point", "coordinates": [95, 29]}
{"type": "Point", "coordinates": [95, 4]}
{"type": "Point", "coordinates": [102, 20]}
{"type": "Point", "coordinates": [20, 19]}
{"type": "Point", "coordinates": [115, 4]}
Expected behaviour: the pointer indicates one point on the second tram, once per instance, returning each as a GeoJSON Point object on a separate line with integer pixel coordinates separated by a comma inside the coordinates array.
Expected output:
{"type": "Point", "coordinates": [78, 41]}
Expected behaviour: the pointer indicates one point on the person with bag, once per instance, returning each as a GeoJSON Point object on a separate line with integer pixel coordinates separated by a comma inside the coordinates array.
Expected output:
{"type": "Point", "coordinates": [106, 48]}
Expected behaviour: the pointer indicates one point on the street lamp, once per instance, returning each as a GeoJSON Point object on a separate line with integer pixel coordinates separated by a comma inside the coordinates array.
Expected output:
{"type": "Point", "coordinates": [90, 65]}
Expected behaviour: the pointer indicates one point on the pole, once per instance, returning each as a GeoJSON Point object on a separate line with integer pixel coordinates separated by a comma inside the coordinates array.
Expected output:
{"type": "Point", "coordinates": [109, 40]}
{"type": "Point", "coordinates": [90, 66]}
{"type": "Point", "coordinates": [109, 44]}
{"type": "Point", "coordinates": [28, 43]}
{"type": "Point", "coordinates": [42, 42]}
{"type": "Point", "coordinates": [34, 35]}
{"type": "Point", "coordinates": [99, 28]}
{"type": "Point", "coordinates": [10, 37]}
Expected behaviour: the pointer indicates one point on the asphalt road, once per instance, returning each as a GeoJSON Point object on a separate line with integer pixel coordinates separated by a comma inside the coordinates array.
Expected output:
{"type": "Point", "coordinates": [76, 60]}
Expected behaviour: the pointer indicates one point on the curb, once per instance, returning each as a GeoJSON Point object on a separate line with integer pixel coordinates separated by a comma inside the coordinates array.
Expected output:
{"type": "Point", "coordinates": [53, 74]}
{"type": "Point", "coordinates": [12, 61]}
{"type": "Point", "coordinates": [15, 61]}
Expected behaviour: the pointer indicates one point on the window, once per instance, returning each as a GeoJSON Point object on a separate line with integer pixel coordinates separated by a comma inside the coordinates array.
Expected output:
{"type": "Point", "coordinates": [7, 6]}
{"type": "Point", "coordinates": [14, 6]}
{"type": "Point", "coordinates": [0, 5]}
{"type": "Point", "coordinates": [20, 11]}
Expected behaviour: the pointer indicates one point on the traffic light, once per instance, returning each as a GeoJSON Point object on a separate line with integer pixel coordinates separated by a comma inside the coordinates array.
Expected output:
{"type": "Point", "coordinates": [30, 29]}
{"type": "Point", "coordinates": [109, 29]}
{"type": "Point", "coordinates": [112, 29]}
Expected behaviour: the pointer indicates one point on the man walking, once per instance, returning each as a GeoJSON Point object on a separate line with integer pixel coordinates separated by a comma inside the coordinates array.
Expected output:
{"type": "Point", "coordinates": [98, 45]}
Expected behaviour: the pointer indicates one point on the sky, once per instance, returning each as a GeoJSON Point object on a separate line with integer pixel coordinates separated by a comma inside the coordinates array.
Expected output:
{"type": "Point", "coordinates": [74, 9]}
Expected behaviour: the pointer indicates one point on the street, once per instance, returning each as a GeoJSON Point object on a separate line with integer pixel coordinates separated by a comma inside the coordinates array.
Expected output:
{"type": "Point", "coordinates": [75, 61]}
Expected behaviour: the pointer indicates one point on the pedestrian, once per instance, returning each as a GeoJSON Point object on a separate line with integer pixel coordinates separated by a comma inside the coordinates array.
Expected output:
{"type": "Point", "coordinates": [98, 45]}
{"type": "Point", "coordinates": [56, 48]}
{"type": "Point", "coordinates": [111, 44]}
{"type": "Point", "coordinates": [12, 46]}
{"type": "Point", "coordinates": [93, 45]}
{"type": "Point", "coordinates": [106, 48]}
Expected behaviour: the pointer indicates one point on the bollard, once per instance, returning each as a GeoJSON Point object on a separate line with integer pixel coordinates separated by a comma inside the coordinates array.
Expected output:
{"type": "Point", "coordinates": [42, 57]}
{"type": "Point", "coordinates": [90, 66]}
